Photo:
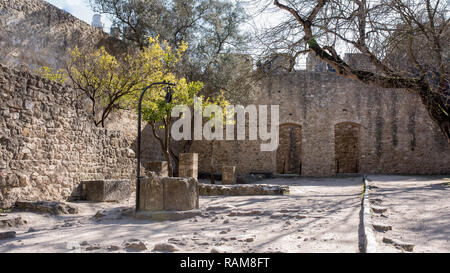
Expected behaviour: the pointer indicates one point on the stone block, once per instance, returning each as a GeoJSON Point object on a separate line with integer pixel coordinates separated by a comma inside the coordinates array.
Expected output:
{"type": "Point", "coordinates": [160, 168]}
{"type": "Point", "coordinates": [151, 194]}
{"type": "Point", "coordinates": [106, 190]}
{"type": "Point", "coordinates": [180, 193]}
{"type": "Point", "coordinates": [228, 175]}
{"type": "Point", "coordinates": [188, 166]}
{"type": "Point", "coordinates": [168, 193]}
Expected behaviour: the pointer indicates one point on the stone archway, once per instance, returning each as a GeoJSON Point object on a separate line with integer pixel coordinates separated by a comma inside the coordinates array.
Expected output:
{"type": "Point", "coordinates": [289, 160]}
{"type": "Point", "coordinates": [346, 137]}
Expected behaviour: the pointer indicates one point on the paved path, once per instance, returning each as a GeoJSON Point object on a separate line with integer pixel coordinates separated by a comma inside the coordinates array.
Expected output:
{"type": "Point", "coordinates": [320, 215]}
{"type": "Point", "coordinates": [418, 209]}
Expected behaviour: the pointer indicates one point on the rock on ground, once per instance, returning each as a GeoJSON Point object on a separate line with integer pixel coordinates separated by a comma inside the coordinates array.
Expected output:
{"type": "Point", "coordinates": [135, 245]}
{"type": "Point", "coordinates": [165, 247]}
{"type": "Point", "coordinates": [12, 222]}
{"type": "Point", "coordinates": [54, 208]}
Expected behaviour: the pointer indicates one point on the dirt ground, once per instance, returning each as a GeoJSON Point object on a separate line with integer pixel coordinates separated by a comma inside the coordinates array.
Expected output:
{"type": "Point", "coordinates": [319, 215]}
{"type": "Point", "coordinates": [418, 210]}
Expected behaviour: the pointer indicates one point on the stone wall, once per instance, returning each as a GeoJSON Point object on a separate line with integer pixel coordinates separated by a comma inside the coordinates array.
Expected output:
{"type": "Point", "coordinates": [289, 149]}
{"type": "Point", "coordinates": [396, 135]}
{"type": "Point", "coordinates": [49, 145]}
{"type": "Point", "coordinates": [34, 33]}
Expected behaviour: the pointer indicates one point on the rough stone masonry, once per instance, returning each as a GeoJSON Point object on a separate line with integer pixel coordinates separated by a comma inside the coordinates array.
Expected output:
{"type": "Point", "coordinates": [331, 125]}
{"type": "Point", "coordinates": [48, 145]}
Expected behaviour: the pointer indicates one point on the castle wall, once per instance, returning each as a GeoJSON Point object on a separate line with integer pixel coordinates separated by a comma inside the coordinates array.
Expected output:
{"type": "Point", "coordinates": [396, 134]}
{"type": "Point", "coordinates": [48, 145]}
{"type": "Point", "coordinates": [34, 33]}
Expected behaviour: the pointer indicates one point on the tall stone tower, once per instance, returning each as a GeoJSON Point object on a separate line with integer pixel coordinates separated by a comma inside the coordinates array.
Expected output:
{"type": "Point", "coordinates": [97, 21]}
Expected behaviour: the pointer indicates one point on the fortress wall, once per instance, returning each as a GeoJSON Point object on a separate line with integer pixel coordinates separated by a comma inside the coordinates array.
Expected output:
{"type": "Point", "coordinates": [34, 33]}
{"type": "Point", "coordinates": [48, 145]}
{"type": "Point", "coordinates": [396, 135]}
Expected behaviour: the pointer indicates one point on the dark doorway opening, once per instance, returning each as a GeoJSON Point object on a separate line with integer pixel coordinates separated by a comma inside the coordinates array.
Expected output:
{"type": "Point", "coordinates": [346, 137]}
{"type": "Point", "coordinates": [289, 160]}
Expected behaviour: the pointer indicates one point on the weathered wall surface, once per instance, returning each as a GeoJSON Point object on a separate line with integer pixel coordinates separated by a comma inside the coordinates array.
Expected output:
{"type": "Point", "coordinates": [396, 134]}
{"type": "Point", "coordinates": [34, 33]}
{"type": "Point", "coordinates": [48, 145]}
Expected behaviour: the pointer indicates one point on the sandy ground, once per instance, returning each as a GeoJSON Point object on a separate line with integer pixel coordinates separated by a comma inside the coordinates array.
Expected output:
{"type": "Point", "coordinates": [320, 215]}
{"type": "Point", "coordinates": [418, 210]}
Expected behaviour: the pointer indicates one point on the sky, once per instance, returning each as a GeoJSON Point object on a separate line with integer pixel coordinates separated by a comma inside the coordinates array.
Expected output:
{"type": "Point", "coordinates": [79, 9]}
{"type": "Point", "coordinates": [82, 10]}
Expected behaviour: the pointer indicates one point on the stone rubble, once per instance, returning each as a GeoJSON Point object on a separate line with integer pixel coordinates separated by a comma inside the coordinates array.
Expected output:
{"type": "Point", "coordinates": [53, 208]}
{"type": "Point", "coordinates": [165, 247]}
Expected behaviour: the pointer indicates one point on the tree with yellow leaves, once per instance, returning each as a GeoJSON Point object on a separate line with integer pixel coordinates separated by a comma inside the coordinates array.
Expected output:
{"type": "Point", "coordinates": [112, 83]}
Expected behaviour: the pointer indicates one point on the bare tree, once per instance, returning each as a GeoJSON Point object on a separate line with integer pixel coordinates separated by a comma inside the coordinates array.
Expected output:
{"type": "Point", "coordinates": [406, 41]}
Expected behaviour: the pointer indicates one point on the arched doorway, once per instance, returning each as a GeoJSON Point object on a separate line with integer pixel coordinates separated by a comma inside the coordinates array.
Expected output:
{"type": "Point", "coordinates": [346, 137]}
{"type": "Point", "coordinates": [289, 160]}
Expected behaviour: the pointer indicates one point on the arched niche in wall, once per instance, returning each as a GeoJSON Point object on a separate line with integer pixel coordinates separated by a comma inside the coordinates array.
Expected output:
{"type": "Point", "coordinates": [347, 147]}
{"type": "Point", "coordinates": [289, 152]}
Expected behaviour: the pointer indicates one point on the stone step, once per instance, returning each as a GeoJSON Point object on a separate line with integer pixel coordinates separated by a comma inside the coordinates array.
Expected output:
{"type": "Point", "coordinates": [378, 209]}
{"type": "Point", "coordinates": [399, 244]}
{"type": "Point", "coordinates": [380, 227]}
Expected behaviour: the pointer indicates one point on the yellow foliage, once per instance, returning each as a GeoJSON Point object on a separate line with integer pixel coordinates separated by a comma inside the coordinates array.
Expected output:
{"type": "Point", "coordinates": [112, 82]}
{"type": "Point", "coordinates": [49, 74]}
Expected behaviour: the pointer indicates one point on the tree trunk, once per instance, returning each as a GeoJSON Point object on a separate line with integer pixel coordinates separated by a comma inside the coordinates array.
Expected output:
{"type": "Point", "coordinates": [211, 166]}
{"type": "Point", "coordinates": [167, 147]}
{"type": "Point", "coordinates": [169, 162]}
{"type": "Point", "coordinates": [435, 107]}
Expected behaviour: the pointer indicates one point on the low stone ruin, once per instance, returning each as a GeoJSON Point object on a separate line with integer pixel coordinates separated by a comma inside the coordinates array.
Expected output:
{"type": "Point", "coordinates": [54, 208]}
{"type": "Point", "coordinates": [188, 166]}
{"type": "Point", "coordinates": [168, 194]}
{"type": "Point", "coordinates": [228, 175]}
{"type": "Point", "coordinates": [106, 190]}
{"type": "Point", "coordinates": [239, 190]}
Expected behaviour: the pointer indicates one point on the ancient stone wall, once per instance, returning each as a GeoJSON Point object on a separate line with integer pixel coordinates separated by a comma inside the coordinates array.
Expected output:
{"type": "Point", "coordinates": [34, 33]}
{"type": "Point", "coordinates": [396, 135]}
{"type": "Point", "coordinates": [289, 149]}
{"type": "Point", "coordinates": [48, 145]}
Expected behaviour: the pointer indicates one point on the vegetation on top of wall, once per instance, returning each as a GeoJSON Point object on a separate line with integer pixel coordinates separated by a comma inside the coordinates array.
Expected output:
{"type": "Point", "coordinates": [48, 73]}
